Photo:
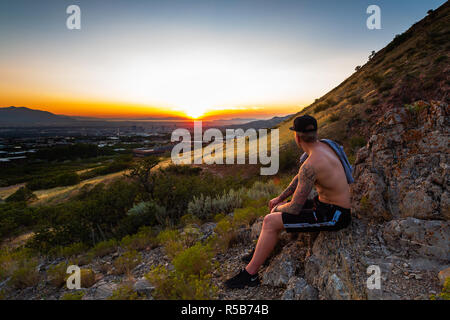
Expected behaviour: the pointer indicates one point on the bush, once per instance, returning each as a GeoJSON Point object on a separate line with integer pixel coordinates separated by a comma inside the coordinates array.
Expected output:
{"type": "Point", "coordinates": [62, 180]}
{"type": "Point", "coordinates": [143, 214]}
{"type": "Point", "coordinates": [171, 240]}
{"type": "Point", "coordinates": [124, 292]}
{"type": "Point", "coordinates": [175, 286]}
{"type": "Point", "coordinates": [104, 248]}
{"type": "Point", "coordinates": [205, 207]}
{"type": "Point", "coordinates": [139, 241]}
{"type": "Point", "coordinates": [69, 251]}
{"type": "Point", "coordinates": [57, 274]}
{"type": "Point", "coordinates": [25, 274]}
{"type": "Point", "coordinates": [127, 262]}
{"type": "Point", "coordinates": [189, 219]}
{"type": "Point", "coordinates": [87, 277]}
{"type": "Point", "coordinates": [263, 190]}
{"type": "Point", "coordinates": [194, 260]}
{"type": "Point", "coordinates": [246, 216]}
{"type": "Point", "coordinates": [22, 194]}
{"type": "Point", "coordinates": [96, 215]}
{"type": "Point", "coordinates": [16, 218]}
{"type": "Point", "coordinates": [289, 156]}
{"type": "Point", "coordinates": [226, 233]}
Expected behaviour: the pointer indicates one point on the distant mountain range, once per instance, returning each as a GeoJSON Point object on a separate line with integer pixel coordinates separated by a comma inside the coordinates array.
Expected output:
{"type": "Point", "coordinates": [21, 116]}
{"type": "Point", "coordinates": [26, 117]}
{"type": "Point", "coordinates": [259, 124]}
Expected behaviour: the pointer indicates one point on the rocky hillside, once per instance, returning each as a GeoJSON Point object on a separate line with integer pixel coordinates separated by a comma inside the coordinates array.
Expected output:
{"type": "Point", "coordinates": [393, 114]}
{"type": "Point", "coordinates": [414, 66]}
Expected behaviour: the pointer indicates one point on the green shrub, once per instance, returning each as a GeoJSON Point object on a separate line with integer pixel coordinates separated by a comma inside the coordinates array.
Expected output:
{"type": "Point", "coordinates": [22, 194]}
{"type": "Point", "coordinates": [87, 277]}
{"type": "Point", "coordinates": [142, 240]}
{"type": "Point", "coordinates": [69, 251]}
{"type": "Point", "coordinates": [61, 180]}
{"type": "Point", "coordinates": [246, 216]}
{"type": "Point", "coordinates": [57, 274]}
{"type": "Point", "coordinates": [175, 286]}
{"type": "Point", "coordinates": [205, 207]}
{"type": "Point", "coordinates": [104, 248]}
{"type": "Point", "coordinates": [173, 242]}
{"type": "Point", "coordinates": [263, 190]}
{"type": "Point", "coordinates": [11, 259]}
{"type": "Point", "coordinates": [194, 260]}
{"type": "Point", "coordinates": [127, 262]}
{"type": "Point", "coordinates": [25, 274]}
{"type": "Point", "coordinates": [16, 218]}
{"type": "Point", "coordinates": [225, 235]}
{"type": "Point", "coordinates": [289, 155]}
{"type": "Point", "coordinates": [124, 292]}
{"type": "Point", "coordinates": [143, 214]}
{"type": "Point", "coordinates": [77, 295]}
{"type": "Point", "coordinates": [189, 219]}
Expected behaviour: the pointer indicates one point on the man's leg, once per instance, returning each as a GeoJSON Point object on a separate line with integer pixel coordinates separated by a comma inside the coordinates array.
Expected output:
{"type": "Point", "coordinates": [272, 225]}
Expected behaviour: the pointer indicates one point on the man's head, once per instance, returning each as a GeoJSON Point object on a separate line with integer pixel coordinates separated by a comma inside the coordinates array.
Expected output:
{"type": "Point", "coordinates": [305, 128]}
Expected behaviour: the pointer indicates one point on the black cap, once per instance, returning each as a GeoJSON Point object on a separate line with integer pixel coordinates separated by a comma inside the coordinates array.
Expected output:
{"type": "Point", "coordinates": [304, 124]}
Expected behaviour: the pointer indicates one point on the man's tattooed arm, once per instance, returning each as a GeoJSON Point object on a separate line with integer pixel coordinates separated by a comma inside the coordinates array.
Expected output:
{"type": "Point", "coordinates": [290, 189]}
{"type": "Point", "coordinates": [307, 178]}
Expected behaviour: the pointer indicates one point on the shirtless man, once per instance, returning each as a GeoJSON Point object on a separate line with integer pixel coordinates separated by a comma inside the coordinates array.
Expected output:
{"type": "Point", "coordinates": [326, 167]}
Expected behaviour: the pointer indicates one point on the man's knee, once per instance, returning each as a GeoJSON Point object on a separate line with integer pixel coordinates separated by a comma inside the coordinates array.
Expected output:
{"type": "Point", "coordinates": [272, 221]}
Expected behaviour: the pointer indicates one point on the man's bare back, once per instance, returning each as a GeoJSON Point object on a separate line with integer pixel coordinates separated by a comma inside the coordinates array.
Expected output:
{"type": "Point", "coordinates": [331, 182]}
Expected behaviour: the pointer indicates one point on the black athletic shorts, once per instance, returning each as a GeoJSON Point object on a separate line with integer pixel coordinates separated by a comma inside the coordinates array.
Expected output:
{"type": "Point", "coordinates": [317, 216]}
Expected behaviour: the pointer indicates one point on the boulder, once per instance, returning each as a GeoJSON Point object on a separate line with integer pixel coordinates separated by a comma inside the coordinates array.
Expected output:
{"type": "Point", "coordinates": [285, 265]}
{"type": "Point", "coordinates": [298, 289]}
{"type": "Point", "coordinates": [142, 286]}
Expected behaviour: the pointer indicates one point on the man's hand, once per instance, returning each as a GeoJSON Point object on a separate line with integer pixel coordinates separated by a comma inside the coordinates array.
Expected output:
{"type": "Point", "coordinates": [274, 202]}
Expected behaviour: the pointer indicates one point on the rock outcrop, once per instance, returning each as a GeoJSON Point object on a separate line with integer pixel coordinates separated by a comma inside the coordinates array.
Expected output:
{"type": "Point", "coordinates": [400, 204]}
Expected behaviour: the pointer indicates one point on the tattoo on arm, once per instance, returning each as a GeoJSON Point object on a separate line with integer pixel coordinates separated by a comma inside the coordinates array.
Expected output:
{"type": "Point", "coordinates": [290, 189]}
{"type": "Point", "coordinates": [307, 178]}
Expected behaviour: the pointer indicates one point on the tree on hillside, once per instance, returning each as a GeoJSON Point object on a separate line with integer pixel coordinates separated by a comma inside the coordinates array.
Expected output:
{"type": "Point", "coordinates": [141, 172]}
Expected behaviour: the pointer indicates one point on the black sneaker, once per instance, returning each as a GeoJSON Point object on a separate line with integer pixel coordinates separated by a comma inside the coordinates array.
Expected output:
{"type": "Point", "coordinates": [241, 280]}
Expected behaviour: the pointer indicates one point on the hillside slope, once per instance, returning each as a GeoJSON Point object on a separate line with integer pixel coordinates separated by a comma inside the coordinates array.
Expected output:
{"type": "Point", "coordinates": [414, 66]}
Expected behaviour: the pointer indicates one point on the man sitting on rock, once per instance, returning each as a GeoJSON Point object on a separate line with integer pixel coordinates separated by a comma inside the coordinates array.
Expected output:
{"type": "Point", "coordinates": [323, 165]}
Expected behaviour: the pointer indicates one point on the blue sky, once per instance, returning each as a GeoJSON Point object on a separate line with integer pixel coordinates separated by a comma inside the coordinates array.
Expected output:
{"type": "Point", "coordinates": [189, 54]}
